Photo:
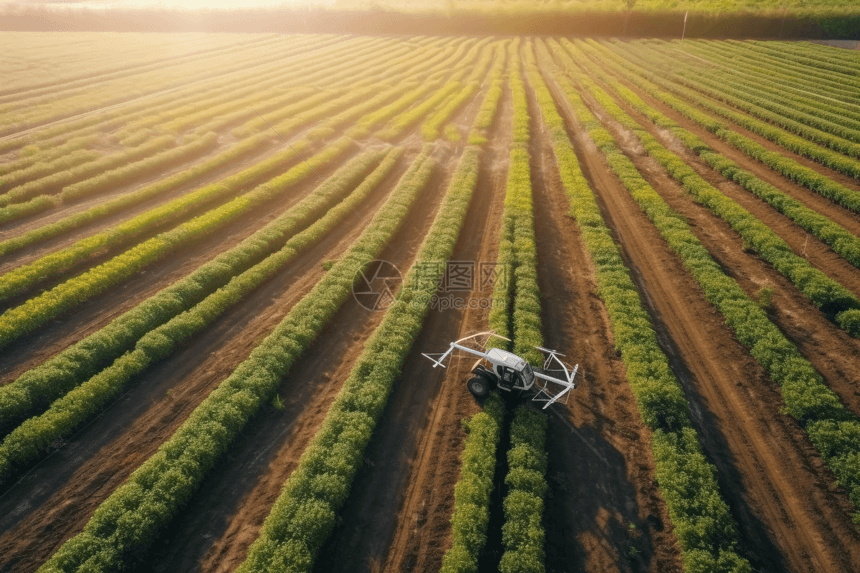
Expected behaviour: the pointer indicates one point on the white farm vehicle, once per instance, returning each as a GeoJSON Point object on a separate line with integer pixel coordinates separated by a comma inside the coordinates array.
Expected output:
{"type": "Point", "coordinates": [507, 372]}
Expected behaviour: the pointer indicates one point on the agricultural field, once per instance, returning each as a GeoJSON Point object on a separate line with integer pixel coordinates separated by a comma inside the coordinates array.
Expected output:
{"type": "Point", "coordinates": [223, 256]}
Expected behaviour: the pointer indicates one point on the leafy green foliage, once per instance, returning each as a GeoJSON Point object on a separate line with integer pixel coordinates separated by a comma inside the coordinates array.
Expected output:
{"type": "Point", "coordinates": [473, 489]}
{"type": "Point", "coordinates": [823, 291]}
{"type": "Point", "coordinates": [84, 170]}
{"type": "Point", "coordinates": [36, 311]}
{"type": "Point", "coordinates": [523, 533]}
{"type": "Point", "coordinates": [178, 207]}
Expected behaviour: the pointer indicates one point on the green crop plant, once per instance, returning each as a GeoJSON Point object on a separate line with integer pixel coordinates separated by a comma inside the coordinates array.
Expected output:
{"type": "Point", "coordinates": [776, 161]}
{"type": "Point", "coordinates": [19, 320]}
{"type": "Point", "coordinates": [472, 492]}
{"type": "Point", "coordinates": [523, 532]}
{"type": "Point", "coordinates": [178, 207]}
{"type": "Point", "coordinates": [58, 180]}
{"type": "Point", "coordinates": [823, 291]}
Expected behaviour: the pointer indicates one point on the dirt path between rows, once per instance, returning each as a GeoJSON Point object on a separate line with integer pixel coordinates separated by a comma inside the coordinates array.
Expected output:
{"type": "Point", "coordinates": [834, 353]}
{"type": "Point", "coordinates": [220, 543]}
{"type": "Point", "coordinates": [604, 511]}
{"type": "Point", "coordinates": [777, 487]}
{"type": "Point", "coordinates": [56, 500]}
{"type": "Point", "coordinates": [422, 532]}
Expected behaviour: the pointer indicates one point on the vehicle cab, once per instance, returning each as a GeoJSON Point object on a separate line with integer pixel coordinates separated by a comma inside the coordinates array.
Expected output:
{"type": "Point", "coordinates": [513, 372]}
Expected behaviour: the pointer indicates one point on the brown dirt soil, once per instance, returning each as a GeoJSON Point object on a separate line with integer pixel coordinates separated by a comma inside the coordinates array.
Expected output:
{"type": "Point", "coordinates": [834, 353]}
{"type": "Point", "coordinates": [225, 516]}
{"type": "Point", "coordinates": [423, 531]}
{"type": "Point", "coordinates": [375, 512]}
{"type": "Point", "coordinates": [776, 485]}
{"type": "Point", "coordinates": [604, 511]}
{"type": "Point", "coordinates": [57, 499]}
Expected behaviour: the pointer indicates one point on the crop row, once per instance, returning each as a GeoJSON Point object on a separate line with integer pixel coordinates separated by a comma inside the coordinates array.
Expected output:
{"type": "Point", "coordinates": [823, 81]}
{"type": "Point", "coordinates": [89, 52]}
{"type": "Point", "coordinates": [816, 63]}
{"type": "Point", "coordinates": [73, 159]}
{"type": "Point", "coordinates": [39, 386]}
{"type": "Point", "coordinates": [61, 179]}
{"type": "Point", "coordinates": [134, 111]}
{"type": "Point", "coordinates": [840, 239]}
{"type": "Point", "coordinates": [487, 111]}
{"type": "Point", "coordinates": [56, 90]}
{"type": "Point", "coordinates": [36, 311]}
{"type": "Point", "coordinates": [830, 157]}
{"type": "Point", "coordinates": [750, 88]}
{"type": "Point", "coordinates": [24, 277]}
{"type": "Point", "coordinates": [523, 533]}
{"type": "Point", "coordinates": [830, 105]}
{"type": "Point", "coordinates": [810, 123]}
{"type": "Point", "coordinates": [194, 147]}
{"type": "Point", "coordinates": [21, 278]}
{"type": "Point", "coordinates": [129, 519]}
{"type": "Point", "coordinates": [472, 492]}
{"type": "Point", "coordinates": [33, 155]}
{"type": "Point", "coordinates": [812, 50]}
{"type": "Point", "coordinates": [772, 61]}
{"type": "Point", "coordinates": [270, 75]}
{"type": "Point", "coordinates": [241, 149]}
{"type": "Point", "coordinates": [89, 396]}
{"type": "Point", "coordinates": [824, 292]}
{"type": "Point", "coordinates": [771, 109]}
{"type": "Point", "coordinates": [651, 84]}
{"type": "Point", "coordinates": [430, 128]}
{"type": "Point", "coordinates": [807, 398]}
{"type": "Point", "coordinates": [788, 78]}
{"type": "Point", "coordinates": [193, 173]}
{"type": "Point", "coordinates": [123, 89]}
{"type": "Point", "coordinates": [703, 524]}
{"type": "Point", "coordinates": [306, 510]}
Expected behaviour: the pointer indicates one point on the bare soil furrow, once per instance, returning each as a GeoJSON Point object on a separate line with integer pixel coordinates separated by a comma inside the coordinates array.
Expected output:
{"type": "Point", "coordinates": [778, 489]}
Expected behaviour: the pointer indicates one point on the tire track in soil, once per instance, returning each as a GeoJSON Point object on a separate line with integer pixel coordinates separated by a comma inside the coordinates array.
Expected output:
{"type": "Point", "coordinates": [603, 509]}
{"type": "Point", "coordinates": [777, 487]}
{"type": "Point", "coordinates": [422, 531]}
{"type": "Point", "coordinates": [56, 501]}
{"type": "Point", "coordinates": [237, 521]}
{"type": "Point", "coordinates": [832, 351]}
{"type": "Point", "coordinates": [84, 319]}
{"type": "Point", "coordinates": [814, 201]}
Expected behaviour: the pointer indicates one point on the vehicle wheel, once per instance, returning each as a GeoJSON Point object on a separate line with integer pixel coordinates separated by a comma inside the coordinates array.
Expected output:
{"type": "Point", "coordinates": [478, 386]}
